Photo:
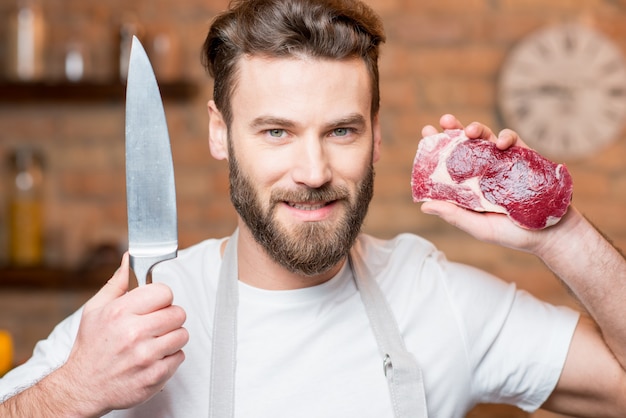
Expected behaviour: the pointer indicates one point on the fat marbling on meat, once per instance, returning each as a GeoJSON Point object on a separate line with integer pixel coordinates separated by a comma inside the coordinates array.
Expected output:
{"type": "Point", "coordinates": [532, 191]}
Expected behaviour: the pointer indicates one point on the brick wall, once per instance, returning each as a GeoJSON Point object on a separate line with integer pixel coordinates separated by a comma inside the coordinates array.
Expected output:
{"type": "Point", "coordinates": [441, 56]}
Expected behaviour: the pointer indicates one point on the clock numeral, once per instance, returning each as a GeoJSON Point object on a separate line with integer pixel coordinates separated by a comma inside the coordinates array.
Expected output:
{"type": "Point", "coordinates": [539, 132]}
{"type": "Point", "coordinates": [522, 111]}
{"type": "Point", "coordinates": [518, 93]}
{"type": "Point", "coordinates": [611, 112]}
{"type": "Point", "coordinates": [543, 50]}
{"type": "Point", "coordinates": [611, 67]}
{"type": "Point", "coordinates": [566, 140]}
{"type": "Point", "coordinates": [591, 51]}
{"type": "Point", "coordinates": [590, 133]}
{"type": "Point", "coordinates": [616, 92]}
{"type": "Point", "coordinates": [569, 43]}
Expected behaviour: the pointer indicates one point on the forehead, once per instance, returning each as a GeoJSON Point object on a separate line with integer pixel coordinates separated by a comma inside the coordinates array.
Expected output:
{"type": "Point", "coordinates": [301, 85]}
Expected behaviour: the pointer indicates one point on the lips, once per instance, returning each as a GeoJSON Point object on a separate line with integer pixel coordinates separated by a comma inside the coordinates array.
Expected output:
{"type": "Point", "coordinates": [310, 204]}
{"type": "Point", "coordinates": [307, 206]}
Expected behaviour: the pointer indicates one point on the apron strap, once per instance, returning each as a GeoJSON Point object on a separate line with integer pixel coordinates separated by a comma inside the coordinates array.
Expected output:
{"type": "Point", "coordinates": [404, 376]}
{"type": "Point", "coordinates": [224, 343]}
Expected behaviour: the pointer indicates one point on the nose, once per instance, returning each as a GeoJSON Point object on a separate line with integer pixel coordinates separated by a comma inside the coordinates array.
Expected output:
{"type": "Point", "coordinates": [311, 163]}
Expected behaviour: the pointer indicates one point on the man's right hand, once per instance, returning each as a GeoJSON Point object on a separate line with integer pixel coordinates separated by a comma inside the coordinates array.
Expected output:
{"type": "Point", "coordinates": [128, 345]}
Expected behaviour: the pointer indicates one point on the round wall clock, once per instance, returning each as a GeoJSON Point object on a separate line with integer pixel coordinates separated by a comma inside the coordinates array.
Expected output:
{"type": "Point", "coordinates": [563, 89]}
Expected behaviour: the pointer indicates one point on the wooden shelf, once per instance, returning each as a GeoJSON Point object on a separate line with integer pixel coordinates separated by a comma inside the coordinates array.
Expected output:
{"type": "Point", "coordinates": [50, 278]}
{"type": "Point", "coordinates": [92, 273]}
{"type": "Point", "coordinates": [92, 92]}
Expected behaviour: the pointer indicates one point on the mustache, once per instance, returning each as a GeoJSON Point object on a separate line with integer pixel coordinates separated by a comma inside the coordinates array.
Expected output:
{"type": "Point", "coordinates": [325, 193]}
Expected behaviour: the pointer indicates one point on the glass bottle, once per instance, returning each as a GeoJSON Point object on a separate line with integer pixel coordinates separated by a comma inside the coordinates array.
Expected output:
{"type": "Point", "coordinates": [6, 352]}
{"type": "Point", "coordinates": [25, 42]}
{"type": "Point", "coordinates": [26, 208]}
{"type": "Point", "coordinates": [129, 27]}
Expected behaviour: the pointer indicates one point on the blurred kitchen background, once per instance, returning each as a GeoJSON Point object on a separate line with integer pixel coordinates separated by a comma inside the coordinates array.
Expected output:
{"type": "Point", "coordinates": [62, 135]}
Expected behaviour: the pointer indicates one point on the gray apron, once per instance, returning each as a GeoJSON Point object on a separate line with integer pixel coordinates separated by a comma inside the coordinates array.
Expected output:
{"type": "Point", "coordinates": [404, 377]}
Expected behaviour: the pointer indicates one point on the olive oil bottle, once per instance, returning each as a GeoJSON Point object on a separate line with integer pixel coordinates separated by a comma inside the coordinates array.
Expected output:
{"type": "Point", "coordinates": [26, 208]}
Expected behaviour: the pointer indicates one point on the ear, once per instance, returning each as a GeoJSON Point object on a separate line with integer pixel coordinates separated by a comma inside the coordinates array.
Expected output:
{"type": "Point", "coordinates": [218, 133]}
{"type": "Point", "coordinates": [377, 138]}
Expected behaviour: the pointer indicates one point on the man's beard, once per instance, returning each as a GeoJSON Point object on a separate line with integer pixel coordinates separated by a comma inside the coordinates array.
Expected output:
{"type": "Point", "coordinates": [310, 248]}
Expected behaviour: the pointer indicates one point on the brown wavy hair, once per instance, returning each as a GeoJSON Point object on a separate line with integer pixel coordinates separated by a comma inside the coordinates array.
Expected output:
{"type": "Point", "coordinates": [328, 29]}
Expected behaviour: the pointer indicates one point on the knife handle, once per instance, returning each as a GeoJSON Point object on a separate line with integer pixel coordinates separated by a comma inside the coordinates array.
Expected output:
{"type": "Point", "coordinates": [142, 266]}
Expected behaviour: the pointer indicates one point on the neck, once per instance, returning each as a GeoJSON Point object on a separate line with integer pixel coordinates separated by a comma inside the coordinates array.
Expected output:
{"type": "Point", "coordinates": [258, 269]}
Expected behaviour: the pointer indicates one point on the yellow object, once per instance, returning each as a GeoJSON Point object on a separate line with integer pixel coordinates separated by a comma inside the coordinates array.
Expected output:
{"type": "Point", "coordinates": [6, 352]}
{"type": "Point", "coordinates": [26, 208]}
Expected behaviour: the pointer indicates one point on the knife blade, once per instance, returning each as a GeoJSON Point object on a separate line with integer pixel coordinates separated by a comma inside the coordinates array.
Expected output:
{"type": "Point", "coordinates": [150, 188]}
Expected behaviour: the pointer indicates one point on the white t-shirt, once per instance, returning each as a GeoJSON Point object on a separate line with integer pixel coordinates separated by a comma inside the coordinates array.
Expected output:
{"type": "Point", "coordinates": [311, 352]}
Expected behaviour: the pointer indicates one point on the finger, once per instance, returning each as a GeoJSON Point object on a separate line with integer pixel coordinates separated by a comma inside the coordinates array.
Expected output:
{"type": "Point", "coordinates": [485, 226]}
{"type": "Point", "coordinates": [149, 298]}
{"type": "Point", "coordinates": [113, 289]}
{"type": "Point", "coordinates": [449, 121]}
{"type": "Point", "coordinates": [170, 343]}
{"type": "Point", "coordinates": [429, 130]}
{"type": "Point", "coordinates": [171, 363]}
{"type": "Point", "coordinates": [476, 130]}
{"type": "Point", "coordinates": [153, 378]}
{"type": "Point", "coordinates": [437, 207]}
{"type": "Point", "coordinates": [446, 121]}
{"type": "Point", "coordinates": [167, 319]}
{"type": "Point", "coordinates": [455, 215]}
{"type": "Point", "coordinates": [508, 138]}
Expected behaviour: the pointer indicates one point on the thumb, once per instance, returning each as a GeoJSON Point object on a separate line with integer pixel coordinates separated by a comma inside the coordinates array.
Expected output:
{"type": "Point", "coordinates": [113, 289]}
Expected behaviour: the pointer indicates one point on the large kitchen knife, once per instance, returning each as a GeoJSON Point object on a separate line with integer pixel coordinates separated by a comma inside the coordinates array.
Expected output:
{"type": "Point", "coordinates": [150, 189]}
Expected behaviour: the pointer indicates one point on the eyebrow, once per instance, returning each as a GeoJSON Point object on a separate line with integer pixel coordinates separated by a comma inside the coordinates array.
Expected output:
{"type": "Point", "coordinates": [272, 121]}
{"type": "Point", "coordinates": [351, 119]}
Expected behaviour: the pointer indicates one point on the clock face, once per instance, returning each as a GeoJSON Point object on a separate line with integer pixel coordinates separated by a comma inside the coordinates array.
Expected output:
{"type": "Point", "coordinates": [563, 89]}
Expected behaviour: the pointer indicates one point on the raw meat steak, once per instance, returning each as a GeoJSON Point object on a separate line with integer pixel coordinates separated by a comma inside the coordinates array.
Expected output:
{"type": "Point", "coordinates": [532, 191]}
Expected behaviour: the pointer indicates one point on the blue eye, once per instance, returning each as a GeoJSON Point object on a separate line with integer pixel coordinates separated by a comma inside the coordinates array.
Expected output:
{"type": "Point", "coordinates": [341, 131]}
{"type": "Point", "coordinates": [276, 133]}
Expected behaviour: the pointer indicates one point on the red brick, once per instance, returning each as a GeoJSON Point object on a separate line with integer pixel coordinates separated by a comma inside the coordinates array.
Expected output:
{"type": "Point", "coordinates": [92, 184]}
{"type": "Point", "coordinates": [456, 60]}
{"type": "Point", "coordinates": [442, 56]}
